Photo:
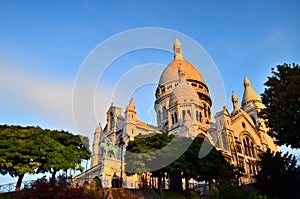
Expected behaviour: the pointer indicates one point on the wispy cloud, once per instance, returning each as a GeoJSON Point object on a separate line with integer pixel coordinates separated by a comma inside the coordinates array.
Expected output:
{"type": "Point", "coordinates": [36, 96]}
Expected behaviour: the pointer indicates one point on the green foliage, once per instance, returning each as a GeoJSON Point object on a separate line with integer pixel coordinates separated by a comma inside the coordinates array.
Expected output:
{"type": "Point", "coordinates": [212, 168]}
{"type": "Point", "coordinates": [184, 163]}
{"type": "Point", "coordinates": [236, 193]}
{"type": "Point", "coordinates": [282, 101]}
{"type": "Point", "coordinates": [279, 175]}
{"type": "Point", "coordinates": [257, 196]}
{"type": "Point", "coordinates": [16, 157]}
{"type": "Point", "coordinates": [61, 150]}
{"type": "Point", "coordinates": [35, 150]}
{"type": "Point", "coordinates": [142, 153]}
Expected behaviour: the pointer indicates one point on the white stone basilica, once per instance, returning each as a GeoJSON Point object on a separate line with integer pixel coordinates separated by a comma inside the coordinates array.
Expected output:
{"type": "Point", "coordinates": [183, 100]}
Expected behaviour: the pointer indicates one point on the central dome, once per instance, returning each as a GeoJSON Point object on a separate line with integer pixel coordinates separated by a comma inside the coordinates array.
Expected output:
{"type": "Point", "coordinates": [170, 73]}
{"type": "Point", "coordinates": [181, 90]}
{"type": "Point", "coordinates": [169, 77]}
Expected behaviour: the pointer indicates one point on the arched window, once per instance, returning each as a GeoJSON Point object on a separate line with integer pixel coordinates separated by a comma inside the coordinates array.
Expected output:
{"type": "Point", "coordinates": [189, 113]}
{"type": "Point", "coordinates": [172, 118]}
{"type": "Point", "coordinates": [164, 113]}
{"type": "Point", "coordinates": [253, 119]}
{"type": "Point", "coordinates": [175, 117]}
{"type": "Point", "coordinates": [249, 147]}
{"type": "Point", "coordinates": [111, 120]}
{"type": "Point", "coordinates": [183, 114]}
{"type": "Point", "coordinates": [200, 117]}
{"type": "Point", "coordinates": [224, 141]}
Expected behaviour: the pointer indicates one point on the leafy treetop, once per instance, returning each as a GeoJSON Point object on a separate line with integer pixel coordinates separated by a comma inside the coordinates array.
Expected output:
{"type": "Point", "coordinates": [35, 150]}
{"type": "Point", "coordinates": [282, 101]}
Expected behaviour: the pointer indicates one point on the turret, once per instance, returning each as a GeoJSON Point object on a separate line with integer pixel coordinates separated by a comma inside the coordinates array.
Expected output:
{"type": "Point", "coordinates": [250, 96]}
{"type": "Point", "coordinates": [235, 102]}
{"type": "Point", "coordinates": [130, 114]}
{"type": "Point", "coordinates": [113, 114]}
{"type": "Point", "coordinates": [251, 102]}
{"type": "Point", "coordinates": [96, 144]}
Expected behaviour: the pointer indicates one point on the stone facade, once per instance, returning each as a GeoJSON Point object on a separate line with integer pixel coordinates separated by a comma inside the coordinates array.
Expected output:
{"type": "Point", "coordinates": [241, 134]}
{"type": "Point", "coordinates": [183, 100]}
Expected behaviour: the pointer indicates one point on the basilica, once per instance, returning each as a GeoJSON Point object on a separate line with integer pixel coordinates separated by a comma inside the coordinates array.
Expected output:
{"type": "Point", "coordinates": [183, 101]}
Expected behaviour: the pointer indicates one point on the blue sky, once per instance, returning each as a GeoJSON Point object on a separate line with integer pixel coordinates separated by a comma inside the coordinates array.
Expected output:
{"type": "Point", "coordinates": [44, 43]}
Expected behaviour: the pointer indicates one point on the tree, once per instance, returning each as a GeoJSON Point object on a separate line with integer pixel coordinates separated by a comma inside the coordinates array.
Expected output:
{"type": "Point", "coordinates": [279, 175]}
{"type": "Point", "coordinates": [35, 150]}
{"type": "Point", "coordinates": [61, 150]}
{"type": "Point", "coordinates": [141, 154]}
{"type": "Point", "coordinates": [17, 156]}
{"type": "Point", "coordinates": [186, 164]}
{"type": "Point", "coordinates": [211, 168]}
{"type": "Point", "coordinates": [282, 101]}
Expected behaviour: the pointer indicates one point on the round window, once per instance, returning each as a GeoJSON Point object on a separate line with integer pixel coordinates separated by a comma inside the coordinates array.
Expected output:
{"type": "Point", "coordinates": [243, 124]}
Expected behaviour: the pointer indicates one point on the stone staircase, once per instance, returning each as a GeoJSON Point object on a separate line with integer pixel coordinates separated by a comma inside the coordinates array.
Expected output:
{"type": "Point", "coordinates": [121, 193]}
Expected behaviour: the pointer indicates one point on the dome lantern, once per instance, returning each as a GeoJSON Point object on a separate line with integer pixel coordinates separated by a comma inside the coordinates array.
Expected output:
{"type": "Point", "coordinates": [177, 49]}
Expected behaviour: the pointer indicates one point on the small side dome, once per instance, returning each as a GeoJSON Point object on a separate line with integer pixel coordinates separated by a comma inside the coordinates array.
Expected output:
{"type": "Point", "coordinates": [250, 96]}
{"type": "Point", "coordinates": [183, 93]}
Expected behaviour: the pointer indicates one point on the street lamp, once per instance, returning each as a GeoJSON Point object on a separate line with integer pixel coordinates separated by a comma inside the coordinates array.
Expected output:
{"type": "Point", "coordinates": [114, 181]}
{"type": "Point", "coordinates": [121, 144]}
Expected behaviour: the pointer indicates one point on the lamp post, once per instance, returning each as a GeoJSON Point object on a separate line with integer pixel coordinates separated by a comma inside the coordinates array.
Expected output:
{"type": "Point", "coordinates": [121, 144]}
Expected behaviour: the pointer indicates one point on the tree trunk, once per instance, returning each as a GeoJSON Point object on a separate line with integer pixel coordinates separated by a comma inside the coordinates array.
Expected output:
{"type": "Point", "coordinates": [159, 182]}
{"type": "Point", "coordinates": [19, 182]}
{"type": "Point", "coordinates": [164, 180]}
{"type": "Point", "coordinates": [186, 183]}
{"type": "Point", "coordinates": [53, 175]}
{"type": "Point", "coordinates": [52, 180]}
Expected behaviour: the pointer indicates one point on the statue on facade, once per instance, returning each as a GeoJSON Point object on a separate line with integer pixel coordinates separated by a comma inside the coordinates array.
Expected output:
{"type": "Point", "coordinates": [109, 148]}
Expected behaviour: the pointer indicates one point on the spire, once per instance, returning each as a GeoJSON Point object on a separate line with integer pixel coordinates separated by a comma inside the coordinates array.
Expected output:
{"type": "Point", "coordinates": [177, 49]}
{"type": "Point", "coordinates": [250, 96]}
{"type": "Point", "coordinates": [131, 106]}
{"type": "Point", "coordinates": [177, 42]}
{"type": "Point", "coordinates": [246, 82]}
{"type": "Point", "coordinates": [98, 130]}
{"type": "Point", "coordinates": [234, 98]}
{"type": "Point", "coordinates": [130, 114]}
{"type": "Point", "coordinates": [97, 137]}
{"type": "Point", "coordinates": [235, 102]}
